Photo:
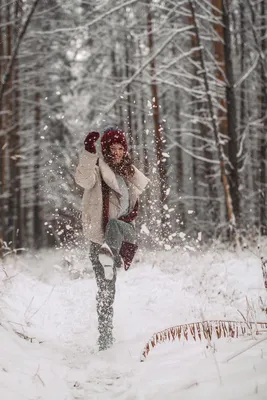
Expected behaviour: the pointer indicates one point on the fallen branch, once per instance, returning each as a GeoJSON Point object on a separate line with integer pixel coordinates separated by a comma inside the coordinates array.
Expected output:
{"type": "Point", "coordinates": [25, 337]}
{"type": "Point", "coordinates": [28, 338]}
{"type": "Point", "coordinates": [203, 329]}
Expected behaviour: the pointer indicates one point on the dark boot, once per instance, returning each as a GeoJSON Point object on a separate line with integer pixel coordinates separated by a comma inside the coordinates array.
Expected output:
{"type": "Point", "coordinates": [127, 252]}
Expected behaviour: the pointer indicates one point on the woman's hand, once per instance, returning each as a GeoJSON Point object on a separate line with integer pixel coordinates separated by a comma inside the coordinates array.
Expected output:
{"type": "Point", "coordinates": [89, 142]}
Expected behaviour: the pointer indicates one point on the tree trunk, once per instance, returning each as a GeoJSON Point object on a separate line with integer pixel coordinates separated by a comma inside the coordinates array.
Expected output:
{"type": "Point", "coordinates": [179, 166]}
{"type": "Point", "coordinates": [8, 100]}
{"type": "Point", "coordinates": [220, 60]}
{"type": "Point", "coordinates": [243, 120]}
{"type": "Point", "coordinates": [210, 207]}
{"type": "Point", "coordinates": [224, 178]}
{"type": "Point", "coordinates": [145, 200]}
{"type": "Point", "coordinates": [196, 109]}
{"type": "Point", "coordinates": [136, 138]}
{"type": "Point", "coordinates": [129, 97]}
{"type": "Point", "coordinates": [19, 207]}
{"type": "Point", "coordinates": [37, 209]}
{"type": "Point", "coordinates": [164, 228]}
{"type": "Point", "coordinates": [117, 108]}
{"type": "Point", "coordinates": [227, 126]}
{"type": "Point", "coordinates": [263, 132]}
{"type": "Point", "coordinates": [231, 114]}
{"type": "Point", "coordinates": [14, 145]}
{"type": "Point", "coordinates": [2, 141]}
{"type": "Point", "coordinates": [261, 49]}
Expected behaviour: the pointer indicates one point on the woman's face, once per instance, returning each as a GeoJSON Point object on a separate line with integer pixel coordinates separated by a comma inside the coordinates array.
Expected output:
{"type": "Point", "coordinates": [117, 152]}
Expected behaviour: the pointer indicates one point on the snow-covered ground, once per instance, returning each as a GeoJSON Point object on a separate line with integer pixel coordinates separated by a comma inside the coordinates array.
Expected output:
{"type": "Point", "coordinates": [57, 358]}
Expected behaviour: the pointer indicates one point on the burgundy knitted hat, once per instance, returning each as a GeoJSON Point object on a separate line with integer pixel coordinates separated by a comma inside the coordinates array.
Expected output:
{"type": "Point", "coordinates": [111, 136]}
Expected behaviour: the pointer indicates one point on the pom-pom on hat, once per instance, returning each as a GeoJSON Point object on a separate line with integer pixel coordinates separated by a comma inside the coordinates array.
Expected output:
{"type": "Point", "coordinates": [111, 136]}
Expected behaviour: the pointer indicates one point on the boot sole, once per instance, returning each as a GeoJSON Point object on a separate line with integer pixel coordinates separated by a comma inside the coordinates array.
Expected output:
{"type": "Point", "coordinates": [107, 264]}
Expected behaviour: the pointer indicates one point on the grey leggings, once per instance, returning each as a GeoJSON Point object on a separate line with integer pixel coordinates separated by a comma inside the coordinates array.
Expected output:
{"type": "Point", "coordinates": [116, 232]}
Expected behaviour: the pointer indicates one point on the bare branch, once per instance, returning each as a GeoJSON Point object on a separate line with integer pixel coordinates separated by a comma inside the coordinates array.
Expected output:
{"type": "Point", "coordinates": [16, 49]}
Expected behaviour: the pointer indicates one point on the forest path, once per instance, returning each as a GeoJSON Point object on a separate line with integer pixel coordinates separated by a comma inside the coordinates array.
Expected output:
{"type": "Point", "coordinates": [155, 294]}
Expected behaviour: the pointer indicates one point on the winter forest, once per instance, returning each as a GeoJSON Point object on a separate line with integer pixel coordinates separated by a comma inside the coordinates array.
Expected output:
{"type": "Point", "coordinates": [186, 82]}
{"type": "Point", "coordinates": [185, 79]}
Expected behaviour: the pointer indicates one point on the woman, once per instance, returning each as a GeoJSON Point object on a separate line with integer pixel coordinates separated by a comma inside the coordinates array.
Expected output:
{"type": "Point", "coordinates": [110, 205]}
